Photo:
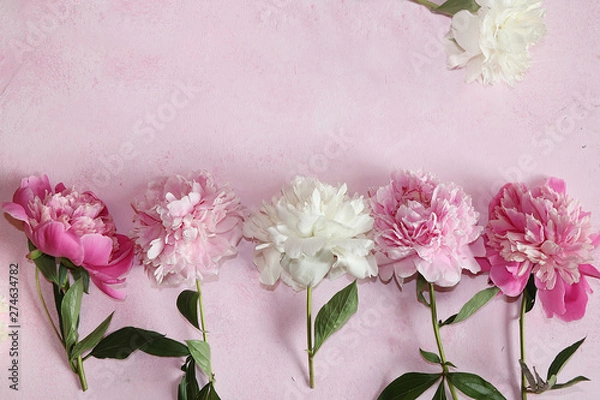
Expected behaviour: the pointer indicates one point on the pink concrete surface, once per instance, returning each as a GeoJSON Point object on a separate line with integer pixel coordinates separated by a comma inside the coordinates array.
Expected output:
{"type": "Point", "coordinates": [108, 95]}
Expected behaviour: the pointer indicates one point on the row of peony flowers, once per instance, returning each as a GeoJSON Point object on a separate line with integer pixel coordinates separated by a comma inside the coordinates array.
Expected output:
{"type": "Point", "coordinates": [537, 241]}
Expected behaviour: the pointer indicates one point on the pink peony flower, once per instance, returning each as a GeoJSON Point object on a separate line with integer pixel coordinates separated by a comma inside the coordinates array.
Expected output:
{"type": "Point", "coordinates": [185, 227]}
{"type": "Point", "coordinates": [424, 226]}
{"type": "Point", "coordinates": [545, 233]}
{"type": "Point", "coordinates": [64, 223]}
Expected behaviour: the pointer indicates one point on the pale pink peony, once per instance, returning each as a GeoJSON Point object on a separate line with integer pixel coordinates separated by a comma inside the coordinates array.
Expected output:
{"type": "Point", "coordinates": [186, 227]}
{"type": "Point", "coordinates": [424, 226]}
{"type": "Point", "coordinates": [543, 232]}
{"type": "Point", "coordinates": [77, 226]}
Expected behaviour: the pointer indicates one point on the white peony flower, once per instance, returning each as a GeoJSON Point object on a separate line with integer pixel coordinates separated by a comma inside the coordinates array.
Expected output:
{"type": "Point", "coordinates": [493, 44]}
{"type": "Point", "coordinates": [313, 230]}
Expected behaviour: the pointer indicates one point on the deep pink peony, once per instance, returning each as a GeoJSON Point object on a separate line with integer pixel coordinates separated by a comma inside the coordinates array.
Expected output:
{"type": "Point", "coordinates": [424, 226]}
{"type": "Point", "coordinates": [185, 227]}
{"type": "Point", "coordinates": [543, 232]}
{"type": "Point", "coordinates": [77, 226]}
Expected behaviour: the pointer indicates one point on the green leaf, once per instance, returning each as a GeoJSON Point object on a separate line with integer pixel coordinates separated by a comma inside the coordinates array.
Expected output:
{"type": "Point", "coordinates": [187, 304]}
{"type": "Point", "coordinates": [451, 7]}
{"type": "Point", "coordinates": [200, 351]}
{"type": "Point", "coordinates": [561, 359]}
{"type": "Point", "coordinates": [121, 343]}
{"type": "Point", "coordinates": [530, 291]}
{"type": "Point", "coordinates": [81, 273]}
{"type": "Point", "coordinates": [335, 313]}
{"type": "Point", "coordinates": [58, 298]}
{"type": "Point", "coordinates": [448, 320]}
{"type": "Point", "coordinates": [421, 287]}
{"type": "Point", "coordinates": [192, 389]}
{"type": "Point", "coordinates": [431, 357]}
{"type": "Point", "coordinates": [474, 386]}
{"type": "Point", "coordinates": [46, 264]}
{"type": "Point", "coordinates": [181, 389]}
{"type": "Point", "coordinates": [440, 393]}
{"type": "Point", "coordinates": [69, 309]}
{"type": "Point", "coordinates": [165, 347]}
{"type": "Point", "coordinates": [92, 339]}
{"type": "Point", "coordinates": [450, 364]}
{"type": "Point", "coordinates": [208, 393]}
{"type": "Point", "coordinates": [570, 383]}
{"type": "Point", "coordinates": [409, 386]}
{"type": "Point", "coordinates": [474, 304]}
{"type": "Point", "coordinates": [63, 276]}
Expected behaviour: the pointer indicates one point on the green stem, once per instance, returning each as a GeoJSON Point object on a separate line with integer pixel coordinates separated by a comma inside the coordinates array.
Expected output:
{"type": "Point", "coordinates": [311, 371]}
{"type": "Point", "coordinates": [438, 338]}
{"type": "Point", "coordinates": [200, 305]}
{"type": "Point", "coordinates": [81, 374]}
{"type": "Point", "coordinates": [522, 343]}
{"type": "Point", "coordinates": [39, 290]}
{"type": "Point", "coordinates": [203, 324]}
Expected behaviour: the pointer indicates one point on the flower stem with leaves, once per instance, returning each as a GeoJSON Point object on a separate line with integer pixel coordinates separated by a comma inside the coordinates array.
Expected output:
{"type": "Point", "coordinates": [411, 385]}
{"type": "Point", "coordinates": [438, 339]}
{"type": "Point", "coordinates": [330, 318]}
{"type": "Point", "coordinates": [67, 298]}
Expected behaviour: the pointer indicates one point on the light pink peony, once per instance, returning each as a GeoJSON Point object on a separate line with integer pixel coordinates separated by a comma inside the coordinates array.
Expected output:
{"type": "Point", "coordinates": [64, 223]}
{"type": "Point", "coordinates": [543, 232]}
{"type": "Point", "coordinates": [424, 226]}
{"type": "Point", "coordinates": [186, 227]}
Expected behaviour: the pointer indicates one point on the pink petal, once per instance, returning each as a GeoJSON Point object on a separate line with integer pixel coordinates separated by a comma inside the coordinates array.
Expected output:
{"type": "Point", "coordinates": [510, 284]}
{"type": "Point", "coordinates": [406, 267]}
{"type": "Point", "coordinates": [32, 187]}
{"type": "Point", "coordinates": [115, 294]}
{"type": "Point", "coordinates": [595, 239]}
{"type": "Point", "coordinates": [484, 263]}
{"type": "Point", "coordinates": [53, 239]}
{"type": "Point", "coordinates": [97, 249]}
{"type": "Point", "coordinates": [558, 185]}
{"type": "Point", "coordinates": [477, 248]}
{"type": "Point", "coordinates": [386, 272]}
{"type": "Point", "coordinates": [589, 270]}
{"type": "Point", "coordinates": [121, 262]}
{"type": "Point", "coordinates": [567, 302]}
{"type": "Point", "coordinates": [16, 211]}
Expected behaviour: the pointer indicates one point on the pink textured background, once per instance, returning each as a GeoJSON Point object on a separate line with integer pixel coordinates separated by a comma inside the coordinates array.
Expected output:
{"type": "Point", "coordinates": [343, 90]}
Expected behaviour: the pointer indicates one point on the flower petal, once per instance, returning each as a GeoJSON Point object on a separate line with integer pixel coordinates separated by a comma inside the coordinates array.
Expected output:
{"type": "Point", "coordinates": [53, 239]}
{"type": "Point", "coordinates": [97, 249]}
{"type": "Point", "coordinates": [16, 211]}
{"type": "Point", "coordinates": [511, 284]}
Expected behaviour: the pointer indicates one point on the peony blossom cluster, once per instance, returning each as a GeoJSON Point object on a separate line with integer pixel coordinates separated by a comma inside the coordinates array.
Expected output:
{"type": "Point", "coordinates": [493, 44]}
{"type": "Point", "coordinates": [311, 231]}
{"type": "Point", "coordinates": [544, 232]}
{"type": "Point", "coordinates": [424, 226]}
{"type": "Point", "coordinates": [77, 226]}
{"type": "Point", "coordinates": [185, 227]}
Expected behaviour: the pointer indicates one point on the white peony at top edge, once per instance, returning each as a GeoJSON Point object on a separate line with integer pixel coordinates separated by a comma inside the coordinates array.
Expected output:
{"type": "Point", "coordinates": [312, 231]}
{"type": "Point", "coordinates": [493, 44]}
